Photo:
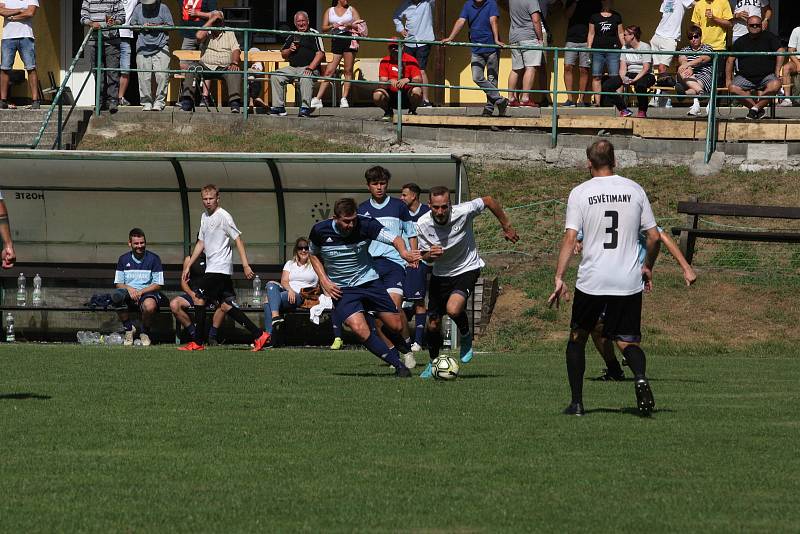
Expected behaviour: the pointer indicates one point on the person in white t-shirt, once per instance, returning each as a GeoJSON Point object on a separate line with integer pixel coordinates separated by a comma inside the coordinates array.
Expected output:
{"type": "Point", "coordinates": [611, 211]}
{"type": "Point", "coordinates": [217, 231]}
{"type": "Point", "coordinates": [7, 255]}
{"type": "Point", "coordinates": [792, 65]}
{"type": "Point", "coordinates": [744, 9]}
{"type": "Point", "coordinates": [448, 243]}
{"type": "Point", "coordinates": [668, 32]}
{"type": "Point", "coordinates": [18, 37]}
{"type": "Point", "coordinates": [298, 274]}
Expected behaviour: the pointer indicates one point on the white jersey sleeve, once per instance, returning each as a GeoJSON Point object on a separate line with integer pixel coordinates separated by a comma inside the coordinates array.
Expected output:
{"type": "Point", "coordinates": [230, 227]}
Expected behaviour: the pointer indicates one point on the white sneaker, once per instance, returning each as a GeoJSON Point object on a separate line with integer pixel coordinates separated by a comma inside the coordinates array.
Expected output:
{"type": "Point", "coordinates": [786, 103]}
{"type": "Point", "coordinates": [694, 111]}
{"type": "Point", "coordinates": [158, 106]}
{"type": "Point", "coordinates": [668, 103]}
{"type": "Point", "coordinates": [128, 341]}
{"type": "Point", "coordinates": [316, 103]}
{"type": "Point", "coordinates": [409, 360]}
{"type": "Point", "coordinates": [416, 347]}
{"type": "Point", "coordinates": [343, 103]}
{"type": "Point", "coordinates": [145, 339]}
{"type": "Point", "coordinates": [147, 106]}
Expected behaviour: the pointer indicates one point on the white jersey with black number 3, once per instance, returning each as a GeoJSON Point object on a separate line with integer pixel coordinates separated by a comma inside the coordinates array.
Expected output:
{"type": "Point", "coordinates": [611, 210]}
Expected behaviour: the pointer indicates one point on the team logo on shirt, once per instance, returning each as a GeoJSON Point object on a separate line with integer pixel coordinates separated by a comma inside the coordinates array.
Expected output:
{"type": "Point", "coordinates": [329, 240]}
{"type": "Point", "coordinates": [127, 265]}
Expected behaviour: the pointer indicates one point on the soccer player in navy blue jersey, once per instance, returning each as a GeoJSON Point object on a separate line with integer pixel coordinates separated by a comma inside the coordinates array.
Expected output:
{"type": "Point", "coordinates": [340, 249]}
{"type": "Point", "coordinates": [416, 281]}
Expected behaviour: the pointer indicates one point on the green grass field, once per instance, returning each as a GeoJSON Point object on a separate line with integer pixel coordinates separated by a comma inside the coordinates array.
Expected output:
{"type": "Point", "coordinates": [120, 439]}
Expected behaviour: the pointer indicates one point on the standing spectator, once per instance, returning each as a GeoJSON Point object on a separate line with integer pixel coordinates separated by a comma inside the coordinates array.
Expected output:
{"type": "Point", "coordinates": [578, 13]}
{"type": "Point", "coordinates": [18, 37]}
{"type": "Point", "coordinates": [413, 19]}
{"type": "Point", "coordinates": [152, 53]}
{"type": "Point", "coordinates": [340, 19]}
{"type": "Point", "coordinates": [634, 69]}
{"type": "Point", "coordinates": [297, 277]}
{"type": "Point", "coordinates": [220, 52]}
{"type": "Point", "coordinates": [104, 14]}
{"type": "Point", "coordinates": [694, 68]}
{"type": "Point", "coordinates": [668, 32]}
{"type": "Point", "coordinates": [527, 29]}
{"type": "Point", "coordinates": [195, 13]}
{"type": "Point", "coordinates": [743, 10]}
{"type": "Point", "coordinates": [714, 17]}
{"type": "Point", "coordinates": [125, 41]}
{"type": "Point", "coordinates": [385, 95]}
{"type": "Point", "coordinates": [305, 54]}
{"type": "Point", "coordinates": [761, 74]}
{"type": "Point", "coordinates": [482, 16]}
{"type": "Point", "coordinates": [792, 65]}
{"type": "Point", "coordinates": [605, 32]}
{"type": "Point", "coordinates": [8, 256]}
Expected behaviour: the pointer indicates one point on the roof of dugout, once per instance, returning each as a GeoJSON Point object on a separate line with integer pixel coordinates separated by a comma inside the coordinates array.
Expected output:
{"type": "Point", "coordinates": [78, 207]}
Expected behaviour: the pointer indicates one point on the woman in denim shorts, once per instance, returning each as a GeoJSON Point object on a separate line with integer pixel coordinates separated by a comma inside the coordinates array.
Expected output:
{"type": "Point", "coordinates": [605, 32]}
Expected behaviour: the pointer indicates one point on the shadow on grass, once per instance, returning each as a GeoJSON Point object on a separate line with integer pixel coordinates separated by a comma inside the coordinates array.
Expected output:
{"type": "Point", "coordinates": [627, 411]}
{"type": "Point", "coordinates": [24, 396]}
{"type": "Point", "coordinates": [391, 375]}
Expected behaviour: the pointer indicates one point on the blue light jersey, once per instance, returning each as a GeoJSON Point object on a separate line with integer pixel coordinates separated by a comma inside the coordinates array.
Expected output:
{"type": "Point", "coordinates": [139, 273]}
{"type": "Point", "coordinates": [346, 257]}
{"type": "Point", "coordinates": [393, 214]}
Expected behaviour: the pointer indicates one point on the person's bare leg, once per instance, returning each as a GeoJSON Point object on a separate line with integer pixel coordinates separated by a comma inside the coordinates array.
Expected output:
{"type": "Point", "coordinates": [349, 62]}
{"type": "Point", "coordinates": [528, 77]}
{"type": "Point", "coordinates": [33, 83]}
{"type": "Point", "coordinates": [513, 80]}
{"type": "Point", "coordinates": [425, 92]}
{"type": "Point", "coordinates": [584, 75]}
{"type": "Point", "coordinates": [569, 82]}
{"type": "Point", "coordinates": [124, 80]}
{"type": "Point", "coordinates": [4, 81]}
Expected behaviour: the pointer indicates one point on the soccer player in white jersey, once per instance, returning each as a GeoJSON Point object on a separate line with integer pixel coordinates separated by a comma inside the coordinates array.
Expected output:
{"type": "Point", "coordinates": [612, 211]}
{"type": "Point", "coordinates": [446, 240]}
{"type": "Point", "coordinates": [217, 230]}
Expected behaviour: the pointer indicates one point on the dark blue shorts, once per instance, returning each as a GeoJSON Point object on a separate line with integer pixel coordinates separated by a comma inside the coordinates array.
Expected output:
{"type": "Point", "coordinates": [190, 301]}
{"type": "Point", "coordinates": [416, 283]}
{"type": "Point", "coordinates": [391, 274]}
{"type": "Point", "coordinates": [159, 297]}
{"type": "Point", "coordinates": [369, 297]}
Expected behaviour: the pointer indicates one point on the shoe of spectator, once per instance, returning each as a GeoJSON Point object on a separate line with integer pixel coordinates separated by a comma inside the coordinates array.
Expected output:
{"type": "Point", "coordinates": [569, 104]}
{"type": "Point", "coordinates": [236, 106]}
{"type": "Point", "coordinates": [145, 339]}
{"type": "Point", "coordinates": [281, 112]}
{"type": "Point", "coordinates": [343, 103]}
{"type": "Point", "coordinates": [316, 103]}
{"type": "Point", "coordinates": [35, 104]}
{"type": "Point", "coordinates": [668, 103]}
{"type": "Point", "coordinates": [641, 114]}
{"type": "Point", "coordinates": [486, 113]}
{"type": "Point", "coordinates": [762, 113]}
{"type": "Point", "coordinates": [514, 103]}
{"type": "Point", "coordinates": [124, 101]}
{"type": "Point", "coordinates": [387, 117]}
{"type": "Point", "coordinates": [786, 103]}
{"type": "Point", "coordinates": [187, 104]}
{"type": "Point", "coordinates": [752, 114]}
{"type": "Point", "coordinates": [147, 106]}
{"type": "Point", "coordinates": [426, 104]}
{"type": "Point", "coordinates": [113, 107]}
{"type": "Point", "coordinates": [128, 337]}
{"type": "Point", "coordinates": [529, 104]}
{"type": "Point", "coordinates": [625, 113]}
{"type": "Point", "coordinates": [501, 104]}
{"type": "Point", "coordinates": [694, 111]}
{"type": "Point", "coordinates": [206, 102]}
{"type": "Point", "coordinates": [158, 107]}
{"type": "Point", "coordinates": [304, 113]}
{"type": "Point", "coordinates": [3, 104]}
{"type": "Point", "coordinates": [584, 104]}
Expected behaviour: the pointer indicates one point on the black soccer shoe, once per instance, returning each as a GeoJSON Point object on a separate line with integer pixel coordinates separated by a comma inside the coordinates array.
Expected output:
{"type": "Point", "coordinates": [575, 408]}
{"type": "Point", "coordinates": [402, 372]}
{"type": "Point", "coordinates": [644, 397]}
{"type": "Point", "coordinates": [608, 376]}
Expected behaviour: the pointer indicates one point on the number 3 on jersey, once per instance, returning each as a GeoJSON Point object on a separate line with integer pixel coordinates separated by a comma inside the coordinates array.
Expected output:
{"type": "Point", "coordinates": [612, 229]}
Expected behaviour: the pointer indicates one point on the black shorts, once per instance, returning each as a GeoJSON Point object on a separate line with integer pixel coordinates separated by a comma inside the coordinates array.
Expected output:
{"type": "Point", "coordinates": [340, 46]}
{"type": "Point", "coordinates": [216, 287]}
{"type": "Point", "coordinates": [443, 286]}
{"type": "Point", "coordinates": [420, 53]}
{"type": "Point", "coordinates": [621, 315]}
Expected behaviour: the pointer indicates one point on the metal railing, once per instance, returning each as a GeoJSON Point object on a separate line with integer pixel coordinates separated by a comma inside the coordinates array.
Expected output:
{"type": "Point", "coordinates": [554, 93]}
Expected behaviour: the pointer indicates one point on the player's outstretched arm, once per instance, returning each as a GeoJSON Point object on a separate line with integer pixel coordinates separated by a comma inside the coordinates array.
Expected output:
{"type": "Point", "coordinates": [689, 275]}
{"type": "Point", "coordinates": [248, 272]}
{"type": "Point", "coordinates": [198, 249]}
{"type": "Point", "coordinates": [494, 206]}
{"type": "Point", "coordinates": [410, 256]}
{"type": "Point", "coordinates": [653, 247]}
{"type": "Point", "coordinates": [9, 257]}
{"type": "Point", "coordinates": [564, 255]}
{"type": "Point", "coordinates": [328, 287]}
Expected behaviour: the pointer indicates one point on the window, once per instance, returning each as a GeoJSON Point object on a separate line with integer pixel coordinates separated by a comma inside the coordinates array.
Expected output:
{"type": "Point", "coordinates": [278, 14]}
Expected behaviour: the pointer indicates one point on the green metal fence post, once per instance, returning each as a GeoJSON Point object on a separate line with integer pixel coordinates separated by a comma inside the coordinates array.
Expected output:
{"type": "Point", "coordinates": [711, 127]}
{"type": "Point", "coordinates": [399, 94]}
{"type": "Point", "coordinates": [245, 82]}
{"type": "Point", "coordinates": [554, 131]}
{"type": "Point", "coordinates": [98, 80]}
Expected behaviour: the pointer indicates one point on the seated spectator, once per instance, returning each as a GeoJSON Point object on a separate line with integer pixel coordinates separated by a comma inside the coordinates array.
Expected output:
{"type": "Point", "coordinates": [304, 53]}
{"type": "Point", "coordinates": [760, 74]}
{"type": "Point", "coordinates": [792, 65]}
{"type": "Point", "coordinates": [605, 32]}
{"type": "Point", "coordinates": [220, 52]}
{"type": "Point", "coordinates": [385, 96]}
{"type": "Point", "coordinates": [182, 304]}
{"type": "Point", "coordinates": [139, 278]}
{"type": "Point", "coordinates": [695, 76]}
{"type": "Point", "coordinates": [152, 53]}
{"type": "Point", "coordinates": [18, 37]}
{"type": "Point", "coordinates": [297, 278]}
{"type": "Point", "coordinates": [255, 87]}
{"type": "Point", "coordinates": [634, 69]}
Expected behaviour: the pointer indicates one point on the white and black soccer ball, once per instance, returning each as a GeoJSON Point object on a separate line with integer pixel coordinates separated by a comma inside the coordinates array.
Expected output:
{"type": "Point", "coordinates": [444, 368]}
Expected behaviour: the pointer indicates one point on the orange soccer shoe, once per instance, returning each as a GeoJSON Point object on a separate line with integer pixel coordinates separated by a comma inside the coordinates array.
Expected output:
{"type": "Point", "coordinates": [192, 346]}
{"type": "Point", "coordinates": [259, 343]}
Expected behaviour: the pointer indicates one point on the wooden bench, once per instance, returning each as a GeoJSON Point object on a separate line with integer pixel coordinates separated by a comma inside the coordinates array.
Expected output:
{"type": "Point", "coordinates": [694, 209]}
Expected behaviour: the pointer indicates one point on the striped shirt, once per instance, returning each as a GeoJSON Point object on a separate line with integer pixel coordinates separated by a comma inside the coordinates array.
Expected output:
{"type": "Point", "coordinates": [98, 10]}
{"type": "Point", "coordinates": [216, 51]}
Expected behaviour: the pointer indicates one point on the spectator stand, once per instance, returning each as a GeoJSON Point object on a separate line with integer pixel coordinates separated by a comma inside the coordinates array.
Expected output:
{"type": "Point", "coordinates": [71, 212]}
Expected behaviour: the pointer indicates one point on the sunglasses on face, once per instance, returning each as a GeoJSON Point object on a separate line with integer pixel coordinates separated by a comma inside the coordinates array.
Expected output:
{"type": "Point", "coordinates": [694, 37]}
{"type": "Point", "coordinates": [754, 25]}
{"type": "Point", "coordinates": [303, 248]}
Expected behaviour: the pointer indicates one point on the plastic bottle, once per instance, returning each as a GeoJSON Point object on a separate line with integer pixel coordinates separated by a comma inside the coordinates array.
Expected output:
{"type": "Point", "coordinates": [81, 337]}
{"type": "Point", "coordinates": [36, 296]}
{"type": "Point", "coordinates": [22, 293]}
{"type": "Point", "coordinates": [10, 337]}
{"type": "Point", "coordinates": [257, 291]}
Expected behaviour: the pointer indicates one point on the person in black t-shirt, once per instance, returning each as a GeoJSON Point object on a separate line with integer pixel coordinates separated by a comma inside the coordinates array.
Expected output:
{"type": "Point", "coordinates": [184, 302]}
{"type": "Point", "coordinates": [605, 32]}
{"type": "Point", "coordinates": [578, 13]}
{"type": "Point", "coordinates": [304, 53]}
{"type": "Point", "coordinates": [761, 74]}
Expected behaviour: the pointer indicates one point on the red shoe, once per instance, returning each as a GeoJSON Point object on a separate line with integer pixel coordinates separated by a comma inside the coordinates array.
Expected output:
{"type": "Point", "coordinates": [641, 115]}
{"type": "Point", "coordinates": [192, 346]}
{"type": "Point", "coordinates": [529, 104]}
{"type": "Point", "coordinates": [259, 343]}
{"type": "Point", "coordinates": [514, 104]}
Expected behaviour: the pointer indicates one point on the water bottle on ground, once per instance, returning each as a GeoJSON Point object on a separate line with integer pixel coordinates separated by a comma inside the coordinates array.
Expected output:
{"type": "Point", "coordinates": [257, 291]}
{"type": "Point", "coordinates": [81, 337]}
{"type": "Point", "coordinates": [22, 293]}
{"type": "Point", "coordinates": [10, 337]}
{"type": "Point", "coordinates": [36, 297]}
